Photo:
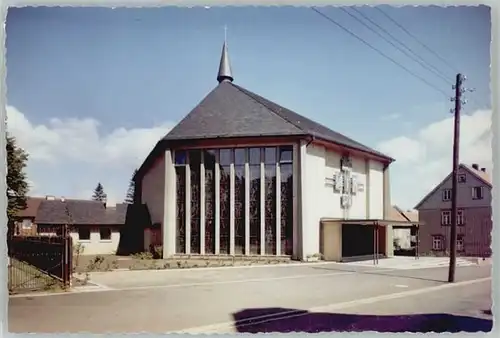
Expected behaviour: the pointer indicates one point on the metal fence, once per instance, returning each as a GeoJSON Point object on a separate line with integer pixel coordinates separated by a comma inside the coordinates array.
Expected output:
{"type": "Point", "coordinates": [39, 262]}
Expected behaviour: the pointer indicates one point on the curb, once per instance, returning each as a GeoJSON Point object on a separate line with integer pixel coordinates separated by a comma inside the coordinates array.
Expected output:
{"type": "Point", "coordinates": [223, 267]}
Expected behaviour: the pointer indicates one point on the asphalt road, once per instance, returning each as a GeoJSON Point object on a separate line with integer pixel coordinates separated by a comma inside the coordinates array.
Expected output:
{"type": "Point", "coordinates": [204, 300]}
{"type": "Point", "coordinates": [461, 308]}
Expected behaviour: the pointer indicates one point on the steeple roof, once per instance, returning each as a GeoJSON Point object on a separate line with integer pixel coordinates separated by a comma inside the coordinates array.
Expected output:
{"type": "Point", "coordinates": [224, 73]}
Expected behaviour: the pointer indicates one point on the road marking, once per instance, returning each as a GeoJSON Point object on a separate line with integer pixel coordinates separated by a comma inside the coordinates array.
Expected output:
{"type": "Point", "coordinates": [401, 286]}
{"type": "Point", "coordinates": [105, 288]}
{"type": "Point", "coordinates": [100, 285]}
{"type": "Point", "coordinates": [228, 326]}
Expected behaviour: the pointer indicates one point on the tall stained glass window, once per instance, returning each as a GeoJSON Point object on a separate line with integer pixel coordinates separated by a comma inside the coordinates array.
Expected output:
{"type": "Point", "coordinates": [225, 195]}
{"type": "Point", "coordinates": [286, 175]}
{"type": "Point", "coordinates": [270, 200]}
{"type": "Point", "coordinates": [180, 173]}
{"type": "Point", "coordinates": [195, 167]}
{"type": "Point", "coordinates": [239, 200]}
{"type": "Point", "coordinates": [209, 158]}
{"type": "Point", "coordinates": [254, 160]}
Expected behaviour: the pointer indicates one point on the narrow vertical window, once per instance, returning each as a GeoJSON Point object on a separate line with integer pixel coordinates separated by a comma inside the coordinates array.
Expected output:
{"type": "Point", "coordinates": [254, 160]}
{"type": "Point", "coordinates": [445, 217]}
{"type": "Point", "coordinates": [437, 243]}
{"type": "Point", "coordinates": [270, 200]}
{"type": "Point", "coordinates": [209, 160]}
{"type": "Point", "coordinates": [286, 173]}
{"type": "Point", "coordinates": [195, 168]}
{"type": "Point", "coordinates": [239, 200]}
{"type": "Point", "coordinates": [225, 195]}
{"type": "Point", "coordinates": [180, 172]}
{"type": "Point", "coordinates": [460, 217]}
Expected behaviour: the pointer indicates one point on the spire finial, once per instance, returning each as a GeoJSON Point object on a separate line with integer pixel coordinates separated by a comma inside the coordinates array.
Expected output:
{"type": "Point", "coordinates": [225, 73]}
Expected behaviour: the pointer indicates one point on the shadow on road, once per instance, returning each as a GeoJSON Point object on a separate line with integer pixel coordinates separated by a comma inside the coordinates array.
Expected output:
{"type": "Point", "coordinates": [273, 320]}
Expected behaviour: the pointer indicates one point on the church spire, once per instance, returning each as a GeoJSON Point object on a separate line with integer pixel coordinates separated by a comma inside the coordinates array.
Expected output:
{"type": "Point", "coordinates": [224, 66]}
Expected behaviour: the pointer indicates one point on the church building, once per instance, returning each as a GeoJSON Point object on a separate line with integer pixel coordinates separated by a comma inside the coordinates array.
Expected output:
{"type": "Point", "coordinates": [241, 175]}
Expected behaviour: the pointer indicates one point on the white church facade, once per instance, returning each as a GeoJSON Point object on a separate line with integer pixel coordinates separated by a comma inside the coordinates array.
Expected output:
{"type": "Point", "coordinates": [241, 175]}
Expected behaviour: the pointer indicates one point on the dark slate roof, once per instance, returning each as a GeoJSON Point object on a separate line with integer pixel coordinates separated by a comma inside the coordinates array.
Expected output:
{"type": "Point", "coordinates": [116, 215]}
{"type": "Point", "coordinates": [232, 111]}
{"type": "Point", "coordinates": [79, 212]}
{"type": "Point", "coordinates": [51, 212]}
{"type": "Point", "coordinates": [32, 205]}
{"type": "Point", "coordinates": [228, 112]}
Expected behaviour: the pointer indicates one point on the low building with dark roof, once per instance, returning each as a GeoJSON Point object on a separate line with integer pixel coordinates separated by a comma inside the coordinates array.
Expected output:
{"type": "Point", "coordinates": [94, 225]}
{"type": "Point", "coordinates": [241, 175]}
{"type": "Point", "coordinates": [24, 224]}
{"type": "Point", "coordinates": [405, 236]}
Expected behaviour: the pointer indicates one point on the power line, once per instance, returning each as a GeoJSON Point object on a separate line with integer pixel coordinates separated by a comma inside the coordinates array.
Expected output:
{"type": "Point", "coordinates": [380, 52]}
{"type": "Point", "coordinates": [417, 40]}
{"type": "Point", "coordinates": [422, 60]}
{"type": "Point", "coordinates": [447, 63]}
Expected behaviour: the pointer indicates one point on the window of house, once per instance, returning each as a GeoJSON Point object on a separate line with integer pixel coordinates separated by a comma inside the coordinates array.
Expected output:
{"type": "Point", "coordinates": [84, 233]}
{"type": "Point", "coordinates": [477, 193]}
{"type": "Point", "coordinates": [446, 194]}
{"type": "Point", "coordinates": [437, 242]}
{"type": "Point", "coordinates": [105, 234]}
{"type": "Point", "coordinates": [462, 178]}
{"type": "Point", "coordinates": [460, 217]}
{"type": "Point", "coordinates": [445, 217]}
{"type": "Point", "coordinates": [26, 223]}
{"type": "Point", "coordinates": [460, 243]}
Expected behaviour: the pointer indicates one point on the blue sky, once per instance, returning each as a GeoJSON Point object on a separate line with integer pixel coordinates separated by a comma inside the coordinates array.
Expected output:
{"type": "Point", "coordinates": [105, 84]}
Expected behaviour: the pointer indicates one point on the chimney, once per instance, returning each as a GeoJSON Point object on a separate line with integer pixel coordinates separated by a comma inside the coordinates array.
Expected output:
{"type": "Point", "coordinates": [483, 170]}
{"type": "Point", "coordinates": [50, 197]}
{"type": "Point", "coordinates": [475, 166]}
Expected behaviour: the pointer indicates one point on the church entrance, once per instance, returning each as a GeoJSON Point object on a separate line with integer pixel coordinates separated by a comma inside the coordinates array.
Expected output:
{"type": "Point", "coordinates": [362, 241]}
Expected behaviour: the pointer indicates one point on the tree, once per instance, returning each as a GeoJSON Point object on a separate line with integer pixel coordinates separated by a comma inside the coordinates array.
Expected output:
{"type": "Point", "coordinates": [17, 185]}
{"type": "Point", "coordinates": [99, 194]}
{"type": "Point", "coordinates": [129, 198]}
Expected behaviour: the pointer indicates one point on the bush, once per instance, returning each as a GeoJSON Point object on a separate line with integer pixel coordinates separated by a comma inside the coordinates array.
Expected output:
{"type": "Point", "coordinates": [157, 251]}
{"type": "Point", "coordinates": [143, 255]}
{"type": "Point", "coordinates": [95, 264]}
{"type": "Point", "coordinates": [78, 250]}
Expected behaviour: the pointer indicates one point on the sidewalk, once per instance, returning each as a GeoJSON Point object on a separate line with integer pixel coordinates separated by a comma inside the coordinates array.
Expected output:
{"type": "Point", "coordinates": [406, 263]}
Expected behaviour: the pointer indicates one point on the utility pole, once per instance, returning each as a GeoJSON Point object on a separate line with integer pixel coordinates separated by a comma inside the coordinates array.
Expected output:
{"type": "Point", "coordinates": [456, 162]}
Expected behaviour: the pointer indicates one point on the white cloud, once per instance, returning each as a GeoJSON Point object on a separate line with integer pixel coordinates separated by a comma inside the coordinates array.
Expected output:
{"type": "Point", "coordinates": [403, 149]}
{"type": "Point", "coordinates": [424, 159]}
{"type": "Point", "coordinates": [67, 157]}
